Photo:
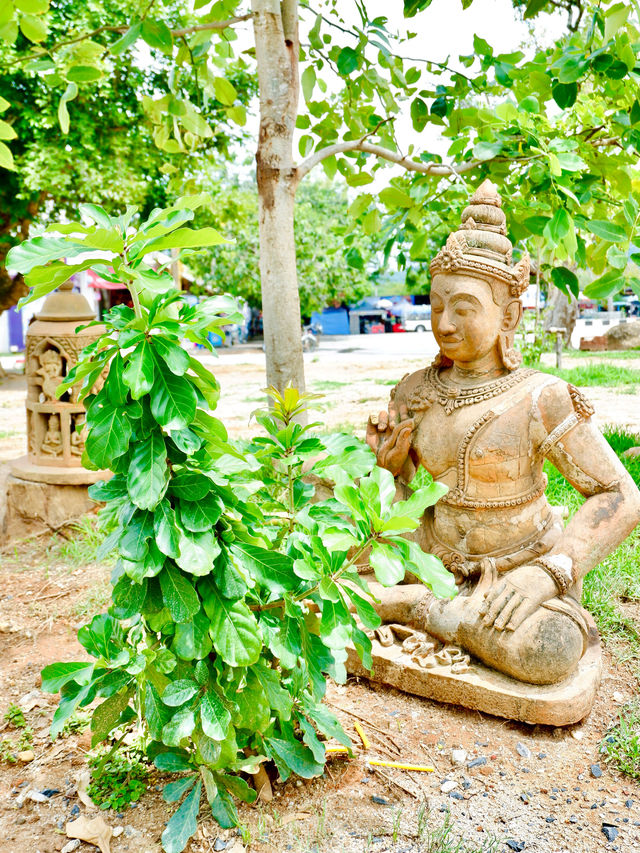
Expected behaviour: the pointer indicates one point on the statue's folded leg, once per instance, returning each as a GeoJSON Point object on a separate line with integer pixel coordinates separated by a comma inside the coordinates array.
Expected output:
{"type": "Point", "coordinates": [544, 649]}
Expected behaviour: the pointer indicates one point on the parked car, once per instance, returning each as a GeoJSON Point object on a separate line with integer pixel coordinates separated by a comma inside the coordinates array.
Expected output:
{"type": "Point", "coordinates": [416, 318]}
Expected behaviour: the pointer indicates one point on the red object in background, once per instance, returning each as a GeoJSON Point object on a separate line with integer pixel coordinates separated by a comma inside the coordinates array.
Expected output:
{"type": "Point", "coordinates": [376, 329]}
{"type": "Point", "coordinates": [398, 327]}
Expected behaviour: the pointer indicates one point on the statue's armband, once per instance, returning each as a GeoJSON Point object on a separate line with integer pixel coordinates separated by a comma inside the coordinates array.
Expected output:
{"type": "Point", "coordinates": [582, 411]}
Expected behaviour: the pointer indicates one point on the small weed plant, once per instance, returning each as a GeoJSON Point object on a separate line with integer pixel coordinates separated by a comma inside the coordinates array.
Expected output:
{"type": "Point", "coordinates": [15, 717]}
{"type": "Point", "coordinates": [621, 744]}
{"type": "Point", "coordinates": [234, 594]}
{"type": "Point", "coordinates": [117, 779]}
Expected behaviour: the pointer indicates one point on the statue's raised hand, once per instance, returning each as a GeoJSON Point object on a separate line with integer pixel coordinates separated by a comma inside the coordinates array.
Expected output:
{"type": "Point", "coordinates": [389, 436]}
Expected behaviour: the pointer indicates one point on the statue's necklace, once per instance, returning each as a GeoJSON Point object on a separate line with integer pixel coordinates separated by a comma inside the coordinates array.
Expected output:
{"type": "Point", "coordinates": [452, 397]}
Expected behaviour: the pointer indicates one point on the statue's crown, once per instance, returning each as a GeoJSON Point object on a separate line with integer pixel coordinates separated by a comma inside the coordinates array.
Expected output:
{"type": "Point", "coordinates": [480, 247]}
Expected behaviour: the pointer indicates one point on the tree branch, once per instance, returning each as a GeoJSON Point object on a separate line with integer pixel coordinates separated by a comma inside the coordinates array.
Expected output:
{"type": "Point", "coordinates": [213, 25]}
{"type": "Point", "coordinates": [385, 154]}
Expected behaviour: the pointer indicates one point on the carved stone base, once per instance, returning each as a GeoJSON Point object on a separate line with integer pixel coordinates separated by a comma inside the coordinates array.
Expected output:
{"type": "Point", "coordinates": [484, 689]}
{"type": "Point", "coordinates": [34, 508]}
{"type": "Point", "coordinates": [55, 475]}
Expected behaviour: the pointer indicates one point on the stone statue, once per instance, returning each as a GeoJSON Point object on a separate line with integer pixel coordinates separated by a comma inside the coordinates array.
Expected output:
{"type": "Point", "coordinates": [483, 426]}
{"type": "Point", "coordinates": [79, 435]}
{"type": "Point", "coordinates": [51, 373]}
{"type": "Point", "coordinates": [52, 442]}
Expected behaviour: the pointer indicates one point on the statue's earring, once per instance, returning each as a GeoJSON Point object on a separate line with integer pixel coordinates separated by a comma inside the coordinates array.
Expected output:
{"type": "Point", "coordinates": [441, 361]}
{"type": "Point", "coordinates": [509, 356]}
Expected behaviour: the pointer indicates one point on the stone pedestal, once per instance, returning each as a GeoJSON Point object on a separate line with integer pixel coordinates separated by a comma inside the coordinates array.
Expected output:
{"type": "Point", "coordinates": [483, 689]}
{"type": "Point", "coordinates": [36, 507]}
{"type": "Point", "coordinates": [48, 486]}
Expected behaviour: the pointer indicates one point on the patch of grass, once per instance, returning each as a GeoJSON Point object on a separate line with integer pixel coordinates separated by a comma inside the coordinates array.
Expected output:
{"type": "Point", "coordinates": [596, 374]}
{"type": "Point", "coordinates": [621, 744]}
{"type": "Point", "coordinates": [95, 601]}
{"type": "Point", "coordinates": [617, 354]}
{"type": "Point", "coordinates": [9, 748]}
{"type": "Point", "coordinates": [321, 385]}
{"type": "Point", "coordinates": [119, 781]}
{"type": "Point", "coordinates": [82, 545]}
{"type": "Point", "coordinates": [442, 839]}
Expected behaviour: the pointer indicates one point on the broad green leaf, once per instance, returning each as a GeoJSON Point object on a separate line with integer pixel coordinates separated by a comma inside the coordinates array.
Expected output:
{"type": "Point", "coordinates": [6, 158]}
{"type": "Point", "coordinates": [291, 755]}
{"type": "Point", "coordinates": [184, 823]}
{"type": "Point", "coordinates": [617, 257]}
{"type": "Point", "coordinates": [172, 354]}
{"type": "Point", "coordinates": [173, 761]}
{"type": "Point", "coordinates": [214, 716]}
{"type": "Point", "coordinates": [105, 238]}
{"type": "Point", "coordinates": [173, 399]}
{"type": "Point", "coordinates": [200, 516]}
{"type": "Point", "coordinates": [191, 640]}
{"type": "Point", "coordinates": [430, 570]}
{"type": "Point", "coordinates": [56, 675]}
{"type": "Point", "coordinates": [109, 434]}
{"type": "Point", "coordinates": [329, 724]}
{"type": "Point", "coordinates": [608, 284]}
{"type": "Point", "coordinates": [348, 60]}
{"type": "Point", "coordinates": [387, 564]}
{"type": "Point", "coordinates": [175, 790]}
{"type": "Point", "coordinates": [165, 529]}
{"type": "Point", "coordinates": [615, 18]}
{"type": "Point", "coordinates": [308, 81]}
{"type": "Point", "coordinates": [225, 92]}
{"type": "Point", "coordinates": [32, 7]}
{"type": "Point", "coordinates": [178, 727]}
{"type": "Point", "coordinates": [83, 74]}
{"type": "Point", "coordinates": [190, 485]}
{"type": "Point", "coordinates": [40, 251]}
{"type": "Point", "coordinates": [63, 113]}
{"type": "Point", "coordinates": [7, 131]}
{"type": "Point", "coordinates": [155, 713]}
{"type": "Point", "coordinates": [565, 280]}
{"type": "Point", "coordinates": [42, 280]}
{"type": "Point", "coordinates": [148, 475]}
{"type": "Point", "coordinates": [179, 692]}
{"type": "Point", "coordinates": [197, 551]}
{"type": "Point", "coordinates": [393, 197]}
{"type": "Point", "coordinates": [483, 150]}
{"type": "Point", "coordinates": [128, 597]}
{"type": "Point", "coordinates": [187, 238]}
{"type": "Point", "coordinates": [234, 630]}
{"type": "Point", "coordinates": [606, 230]}
{"type": "Point", "coordinates": [419, 114]}
{"type": "Point", "coordinates": [107, 716]}
{"type": "Point", "coordinates": [565, 94]}
{"type": "Point", "coordinates": [178, 594]}
{"type": "Point", "coordinates": [157, 34]}
{"type": "Point", "coordinates": [310, 737]}
{"type": "Point", "coordinates": [139, 370]}
{"type": "Point", "coordinates": [271, 569]}
{"type": "Point", "coordinates": [33, 28]}
{"type": "Point", "coordinates": [129, 38]}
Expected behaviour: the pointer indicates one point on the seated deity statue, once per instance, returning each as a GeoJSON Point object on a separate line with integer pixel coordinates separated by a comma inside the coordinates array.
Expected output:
{"type": "Point", "coordinates": [52, 443]}
{"type": "Point", "coordinates": [483, 425]}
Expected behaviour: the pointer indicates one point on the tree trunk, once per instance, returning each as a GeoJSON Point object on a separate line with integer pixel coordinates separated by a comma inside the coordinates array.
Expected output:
{"type": "Point", "coordinates": [560, 313]}
{"type": "Point", "coordinates": [276, 38]}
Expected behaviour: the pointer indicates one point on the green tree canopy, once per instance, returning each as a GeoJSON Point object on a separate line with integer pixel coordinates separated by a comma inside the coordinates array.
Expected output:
{"type": "Point", "coordinates": [334, 255]}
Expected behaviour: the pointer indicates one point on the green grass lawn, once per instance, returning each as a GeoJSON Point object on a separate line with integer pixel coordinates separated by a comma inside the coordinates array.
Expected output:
{"type": "Point", "coordinates": [596, 374]}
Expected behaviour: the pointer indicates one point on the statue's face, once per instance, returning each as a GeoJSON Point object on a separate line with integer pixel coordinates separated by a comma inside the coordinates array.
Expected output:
{"type": "Point", "coordinates": [465, 320]}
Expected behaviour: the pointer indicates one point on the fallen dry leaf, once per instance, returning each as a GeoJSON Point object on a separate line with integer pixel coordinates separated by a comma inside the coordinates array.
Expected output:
{"type": "Point", "coordinates": [82, 780]}
{"type": "Point", "coordinates": [93, 830]}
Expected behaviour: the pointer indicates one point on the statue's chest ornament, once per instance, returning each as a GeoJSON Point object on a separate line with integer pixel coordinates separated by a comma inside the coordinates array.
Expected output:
{"type": "Point", "coordinates": [451, 397]}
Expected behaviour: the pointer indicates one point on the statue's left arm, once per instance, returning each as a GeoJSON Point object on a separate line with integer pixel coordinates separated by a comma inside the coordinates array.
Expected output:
{"type": "Point", "coordinates": [575, 446]}
{"type": "Point", "coordinates": [583, 456]}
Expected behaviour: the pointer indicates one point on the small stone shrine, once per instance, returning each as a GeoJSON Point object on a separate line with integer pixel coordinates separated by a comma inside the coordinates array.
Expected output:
{"type": "Point", "coordinates": [48, 487]}
{"type": "Point", "coordinates": [515, 641]}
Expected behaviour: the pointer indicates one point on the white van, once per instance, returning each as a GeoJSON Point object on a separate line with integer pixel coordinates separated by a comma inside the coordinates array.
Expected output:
{"type": "Point", "coordinates": [417, 318]}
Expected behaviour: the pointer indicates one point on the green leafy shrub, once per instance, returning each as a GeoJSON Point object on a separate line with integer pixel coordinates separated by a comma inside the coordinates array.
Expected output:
{"type": "Point", "coordinates": [621, 744]}
{"type": "Point", "coordinates": [234, 594]}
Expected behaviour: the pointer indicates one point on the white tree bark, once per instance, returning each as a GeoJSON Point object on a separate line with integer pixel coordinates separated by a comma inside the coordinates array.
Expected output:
{"type": "Point", "coordinates": [276, 38]}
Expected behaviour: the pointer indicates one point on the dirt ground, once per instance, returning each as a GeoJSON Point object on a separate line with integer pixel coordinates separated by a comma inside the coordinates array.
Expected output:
{"type": "Point", "coordinates": [539, 789]}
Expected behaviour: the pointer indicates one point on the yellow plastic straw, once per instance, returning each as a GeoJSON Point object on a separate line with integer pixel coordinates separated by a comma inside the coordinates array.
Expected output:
{"type": "Point", "coordinates": [365, 740]}
{"type": "Point", "coordinates": [421, 767]}
{"type": "Point", "coordinates": [336, 749]}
